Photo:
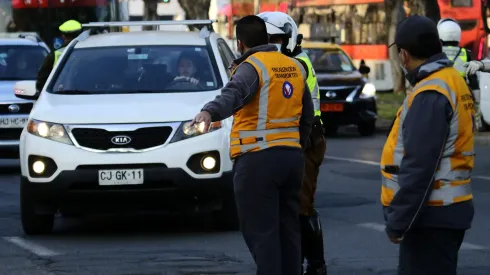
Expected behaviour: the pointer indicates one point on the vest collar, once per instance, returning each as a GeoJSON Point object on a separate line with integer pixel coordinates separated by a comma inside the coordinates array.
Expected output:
{"type": "Point", "coordinates": [261, 48]}
{"type": "Point", "coordinates": [433, 64]}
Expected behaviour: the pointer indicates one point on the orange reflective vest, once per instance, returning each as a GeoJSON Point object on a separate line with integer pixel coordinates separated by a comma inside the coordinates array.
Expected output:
{"type": "Point", "coordinates": [272, 117]}
{"type": "Point", "coordinates": [452, 178]}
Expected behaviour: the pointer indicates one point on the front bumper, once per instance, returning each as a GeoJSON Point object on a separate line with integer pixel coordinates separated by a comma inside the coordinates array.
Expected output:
{"type": "Point", "coordinates": [355, 112]}
{"type": "Point", "coordinates": [165, 190]}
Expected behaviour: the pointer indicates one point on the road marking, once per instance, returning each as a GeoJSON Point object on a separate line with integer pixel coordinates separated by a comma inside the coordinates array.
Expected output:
{"type": "Point", "coordinates": [381, 228]}
{"type": "Point", "coordinates": [368, 162]}
{"type": "Point", "coordinates": [36, 249]}
{"type": "Point", "coordinates": [373, 163]}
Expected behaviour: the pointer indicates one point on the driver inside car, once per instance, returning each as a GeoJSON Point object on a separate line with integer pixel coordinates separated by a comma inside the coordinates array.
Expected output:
{"type": "Point", "coordinates": [186, 67]}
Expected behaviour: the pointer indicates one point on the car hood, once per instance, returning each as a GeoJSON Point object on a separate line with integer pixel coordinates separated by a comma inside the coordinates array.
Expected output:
{"type": "Point", "coordinates": [340, 79]}
{"type": "Point", "coordinates": [120, 108]}
{"type": "Point", "coordinates": [7, 92]}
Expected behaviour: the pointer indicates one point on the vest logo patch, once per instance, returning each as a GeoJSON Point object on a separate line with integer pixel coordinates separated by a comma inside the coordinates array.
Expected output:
{"type": "Point", "coordinates": [287, 89]}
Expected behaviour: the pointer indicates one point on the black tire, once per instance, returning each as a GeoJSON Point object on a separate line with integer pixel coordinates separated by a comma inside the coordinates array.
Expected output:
{"type": "Point", "coordinates": [367, 128]}
{"type": "Point", "coordinates": [33, 223]}
{"type": "Point", "coordinates": [226, 219]}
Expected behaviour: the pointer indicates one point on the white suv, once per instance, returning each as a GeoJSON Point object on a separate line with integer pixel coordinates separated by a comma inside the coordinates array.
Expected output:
{"type": "Point", "coordinates": [109, 132]}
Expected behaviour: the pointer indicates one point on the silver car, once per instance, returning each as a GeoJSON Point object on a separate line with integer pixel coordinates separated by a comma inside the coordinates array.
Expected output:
{"type": "Point", "coordinates": [21, 56]}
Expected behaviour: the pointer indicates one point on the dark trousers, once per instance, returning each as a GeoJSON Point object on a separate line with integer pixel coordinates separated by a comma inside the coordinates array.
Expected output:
{"type": "Point", "coordinates": [430, 252]}
{"type": "Point", "coordinates": [267, 185]}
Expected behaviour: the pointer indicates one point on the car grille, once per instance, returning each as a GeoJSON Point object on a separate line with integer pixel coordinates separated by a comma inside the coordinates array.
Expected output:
{"type": "Point", "coordinates": [24, 108]}
{"type": "Point", "coordinates": [10, 133]}
{"type": "Point", "coordinates": [101, 139]}
{"type": "Point", "coordinates": [336, 93]}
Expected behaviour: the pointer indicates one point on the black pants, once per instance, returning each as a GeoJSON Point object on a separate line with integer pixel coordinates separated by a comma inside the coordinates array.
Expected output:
{"type": "Point", "coordinates": [430, 252]}
{"type": "Point", "coordinates": [267, 185]}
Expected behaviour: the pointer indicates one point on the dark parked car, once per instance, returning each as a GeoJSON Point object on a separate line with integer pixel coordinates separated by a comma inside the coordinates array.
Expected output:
{"type": "Point", "coordinates": [346, 96]}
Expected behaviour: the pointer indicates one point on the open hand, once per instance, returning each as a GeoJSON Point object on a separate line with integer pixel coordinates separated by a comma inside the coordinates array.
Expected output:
{"type": "Point", "coordinates": [472, 67]}
{"type": "Point", "coordinates": [202, 117]}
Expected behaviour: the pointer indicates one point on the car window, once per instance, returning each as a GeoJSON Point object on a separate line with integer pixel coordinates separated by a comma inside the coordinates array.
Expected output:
{"type": "Point", "coordinates": [329, 60]}
{"type": "Point", "coordinates": [227, 59]}
{"type": "Point", "coordinates": [21, 62]}
{"type": "Point", "coordinates": [147, 69]}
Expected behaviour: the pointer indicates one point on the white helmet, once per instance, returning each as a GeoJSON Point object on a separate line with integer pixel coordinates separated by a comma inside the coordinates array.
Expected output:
{"type": "Point", "coordinates": [279, 23]}
{"type": "Point", "coordinates": [449, 30]}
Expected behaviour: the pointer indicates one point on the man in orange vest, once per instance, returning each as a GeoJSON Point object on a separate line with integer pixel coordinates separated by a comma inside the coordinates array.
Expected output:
{"type": "Point", "coordinates": [272, 108]}
{"type": "Point", "coordinates": [428, 156]}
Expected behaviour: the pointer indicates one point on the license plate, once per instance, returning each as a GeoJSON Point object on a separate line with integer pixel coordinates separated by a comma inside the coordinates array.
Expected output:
{"type": "Point", "coordinates": [121, 177]}
{"type": "Point", "coordinates": [13, 122]}
{"type": "Point", "coordinates": [332, 107]}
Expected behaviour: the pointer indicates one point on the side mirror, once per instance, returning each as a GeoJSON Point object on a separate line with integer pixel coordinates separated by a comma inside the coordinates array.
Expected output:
{"type": "Point", "coordinates": [26, 90]}
{"type": "Point", "coordinates": [363, 69]}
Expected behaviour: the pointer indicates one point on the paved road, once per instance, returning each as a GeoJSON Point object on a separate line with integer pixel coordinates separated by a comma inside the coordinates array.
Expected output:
{"type": "Point", "coordinates": [348, 200]}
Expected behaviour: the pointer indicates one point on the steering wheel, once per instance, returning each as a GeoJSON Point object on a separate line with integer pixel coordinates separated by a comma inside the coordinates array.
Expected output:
{"type": "Point", "coordinates": [183, 83]}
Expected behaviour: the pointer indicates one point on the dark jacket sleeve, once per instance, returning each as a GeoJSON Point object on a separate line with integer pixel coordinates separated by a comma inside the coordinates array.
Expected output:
{"type": "Point", "coordinates": [43, 74]}
{"type": "Point", "coordinates": [238, 92]}
{"type": "Point", "coordinates": [307, 118]}
{"type": "Point", "coordinates": [425, 130]}
{"type": "Point", "coordinates": [472, 79]}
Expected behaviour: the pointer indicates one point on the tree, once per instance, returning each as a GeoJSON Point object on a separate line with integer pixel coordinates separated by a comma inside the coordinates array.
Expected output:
{"type": "Point", "coordinates": [394, 14]}
{"type": "Point", "coordinates": [395, 11]}
{"type": "Point", "coordinates": [429, 8]}
{"type": "Point", "coordinates": [195, 9]}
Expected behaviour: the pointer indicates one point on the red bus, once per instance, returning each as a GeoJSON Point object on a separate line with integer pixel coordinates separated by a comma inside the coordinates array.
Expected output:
{"type": "Point", "coordinates": [360, 27]}
{"type": "Point", "coordinates": [45, 16]}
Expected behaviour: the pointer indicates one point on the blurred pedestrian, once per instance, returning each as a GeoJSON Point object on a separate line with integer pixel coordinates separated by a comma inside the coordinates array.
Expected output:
{"type": "Point", "coordinates": [273, 114]}
{"type": "Point", "coordinates": [428, 157]}
{"type": "Point", "coordinates": [69, 31]}
{"type": "Point", "coordinates": [450, 35]}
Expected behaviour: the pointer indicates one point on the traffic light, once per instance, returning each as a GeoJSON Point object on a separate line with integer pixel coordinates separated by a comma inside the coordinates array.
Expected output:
{"type": "Point", "coordinates": [166, 1]}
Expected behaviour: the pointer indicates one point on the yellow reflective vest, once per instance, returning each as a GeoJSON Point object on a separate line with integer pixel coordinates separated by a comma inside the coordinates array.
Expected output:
{"type": "Point", "coordinates": [458, 59]}
{"type": "Point", "coordinates": [312, 83]}
{"type": "Point", "coordinates": [452, 178]}
{"type": "Point", "coordinates": [57, 55]}
{"type": "Point", "coordinates": [272, 117]}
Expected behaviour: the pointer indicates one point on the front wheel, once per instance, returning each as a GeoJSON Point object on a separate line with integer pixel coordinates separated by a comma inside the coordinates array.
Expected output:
{"type": "Point", "coordinates": [32, 222]}
{"type": "Point", "coordinates": [367, 128]}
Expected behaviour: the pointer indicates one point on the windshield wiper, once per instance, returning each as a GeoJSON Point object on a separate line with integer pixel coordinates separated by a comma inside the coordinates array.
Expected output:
{"type": "Point", "coordinates": [73, 92]}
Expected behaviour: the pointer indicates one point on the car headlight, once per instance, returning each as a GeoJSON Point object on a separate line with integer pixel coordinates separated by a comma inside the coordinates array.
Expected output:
{"type": "Point", "coordinates": [186, 131]}
{"type": "Point", "coordinates": [52, 131]}
{"type": "Point", "coordinates": [368, 91]}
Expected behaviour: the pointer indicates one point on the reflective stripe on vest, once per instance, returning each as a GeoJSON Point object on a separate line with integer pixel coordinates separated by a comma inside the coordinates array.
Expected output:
{"type": "Point", "coordinates": [459, 60]}
{"type": "Point", "coordinates": [452, 178]}
{"type": "Point", "coordinates": [312, 83]}
{"type": "Point", "coordinates": [57, 55]}
{"type": "Point", "coordinates": [272, 117]}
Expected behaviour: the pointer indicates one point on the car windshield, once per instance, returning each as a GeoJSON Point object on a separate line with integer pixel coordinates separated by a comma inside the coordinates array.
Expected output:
{"type": "Point", "coordinates": [329, 60]}
{"type": "Point", "coordinates": [21, 62]}
{"type": "Point", "coordinates": [137, 69]}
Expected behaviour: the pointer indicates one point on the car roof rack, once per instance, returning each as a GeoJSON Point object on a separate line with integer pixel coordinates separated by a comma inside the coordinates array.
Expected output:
{"type": "Point", "coordinates": [33, 36]}
{"type": "Point", "coordinates": [92, 28]}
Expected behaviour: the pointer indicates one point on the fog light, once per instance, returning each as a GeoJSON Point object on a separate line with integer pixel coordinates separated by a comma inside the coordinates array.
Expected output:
{"type": "Point", "coordinates": [38, 167]}
{"type": "Point", "coordinates": [208, 163]}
